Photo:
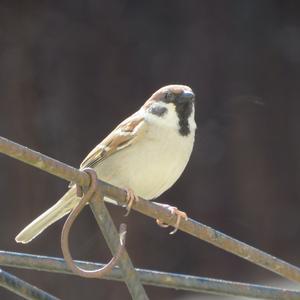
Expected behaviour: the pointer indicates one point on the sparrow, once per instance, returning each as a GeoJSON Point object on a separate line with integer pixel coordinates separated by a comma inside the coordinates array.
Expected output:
{"type": "Point", "coordinates": [145, 154]}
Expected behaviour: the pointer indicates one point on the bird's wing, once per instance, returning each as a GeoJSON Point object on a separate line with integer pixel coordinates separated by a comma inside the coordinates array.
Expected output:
{"type": "Point", "coordinates": [124, 135]}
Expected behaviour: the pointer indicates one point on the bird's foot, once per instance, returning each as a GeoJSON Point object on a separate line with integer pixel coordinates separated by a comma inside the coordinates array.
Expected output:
{"type": "Point", "coordinates": [131, 197]}
{"type": "Point", "coordinates": [174, 211]}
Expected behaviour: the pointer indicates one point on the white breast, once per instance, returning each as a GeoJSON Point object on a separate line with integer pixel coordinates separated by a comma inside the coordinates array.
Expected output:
{"type": "Point", "coordinates": [154, 163]}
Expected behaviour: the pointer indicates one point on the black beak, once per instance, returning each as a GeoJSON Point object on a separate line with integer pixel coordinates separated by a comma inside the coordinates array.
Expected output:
{"type": "Point", "coordinates": [186, 97]}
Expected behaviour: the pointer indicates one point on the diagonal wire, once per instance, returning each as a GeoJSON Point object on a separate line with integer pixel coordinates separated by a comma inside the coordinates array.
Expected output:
{"type": "Point", "coordinates": [101, 214]}
{"type": "Point", "coordinates": [209, 235]}
{"type": "Point", "coordinates": [154, 278]}
{"type": "Point", "coordinates": [112, 238]}
{"type": "Point", "coordinates": [22, 288]}
{"type": "Point", "coordinates": [152, 210]}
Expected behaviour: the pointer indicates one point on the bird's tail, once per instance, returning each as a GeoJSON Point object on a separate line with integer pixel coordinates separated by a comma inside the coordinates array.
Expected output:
{"type": "Point", "coordinates": [50, 216]}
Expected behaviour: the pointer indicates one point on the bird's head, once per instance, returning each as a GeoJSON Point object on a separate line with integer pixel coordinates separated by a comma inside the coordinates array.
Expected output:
{"type": "Point", "coordinates": [174, 104]}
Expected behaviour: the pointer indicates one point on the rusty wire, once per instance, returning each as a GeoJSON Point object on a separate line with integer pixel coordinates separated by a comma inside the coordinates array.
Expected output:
{"type": "Point", "coordinates": [23, 288]}
{"type": "Point", "coordinates": [92, 192]}
{"type": "Point", "coordinates": [190, 226]}
{"type": "Point", "coordinates": [111, 236]}
{"type": "Point", "coordinates": [100, 212]}
{"type": "Point", "coordinates": [153, 278]}
{"type": "Point", "coordinates": [209, 235]}
{"type": "Point", "coordinates": [152, 210]}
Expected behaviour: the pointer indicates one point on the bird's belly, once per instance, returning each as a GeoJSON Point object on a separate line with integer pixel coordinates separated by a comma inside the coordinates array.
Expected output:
{"type": "Point", "coordinates": [148, 168]}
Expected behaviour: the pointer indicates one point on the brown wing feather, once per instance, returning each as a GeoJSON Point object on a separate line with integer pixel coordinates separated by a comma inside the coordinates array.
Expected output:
{"type": "Point", "coordinates": [124, 135]}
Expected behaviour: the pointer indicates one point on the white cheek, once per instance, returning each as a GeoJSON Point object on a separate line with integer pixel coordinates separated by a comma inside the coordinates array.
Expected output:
{"type": "Point", "coordinates": [169, 119]}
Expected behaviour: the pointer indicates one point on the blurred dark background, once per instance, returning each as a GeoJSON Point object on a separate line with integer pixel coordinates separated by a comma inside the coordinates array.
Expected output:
{"type": "Point", "coordinates": [72, 70]}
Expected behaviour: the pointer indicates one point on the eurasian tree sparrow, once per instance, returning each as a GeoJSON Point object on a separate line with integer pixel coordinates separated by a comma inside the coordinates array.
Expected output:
{"type": "Point", "coordinates": [146, 153]}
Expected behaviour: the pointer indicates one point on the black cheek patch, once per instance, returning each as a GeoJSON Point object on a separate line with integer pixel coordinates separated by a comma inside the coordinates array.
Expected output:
{"type": "Point", "coordinates": [183, 111]}
{"type": "Point", "coordinates": [158, 110]}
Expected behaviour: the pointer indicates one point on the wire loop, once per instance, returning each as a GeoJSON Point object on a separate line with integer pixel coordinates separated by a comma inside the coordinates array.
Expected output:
{"type": "Point", "coordinates": [93, 192]}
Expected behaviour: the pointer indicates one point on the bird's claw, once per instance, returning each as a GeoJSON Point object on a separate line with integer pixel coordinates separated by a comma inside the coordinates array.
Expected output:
{"type": "Point", "coordinates": [174, 211]}
{"type": "Point", "coordinates": [131, 197]}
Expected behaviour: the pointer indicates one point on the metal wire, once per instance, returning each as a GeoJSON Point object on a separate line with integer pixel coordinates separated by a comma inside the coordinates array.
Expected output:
{"type": "Point", "coordinates": [103, 218]}
{"type": "Point", "coordinates": [22, 288]}
{"type": "Point", "coordinates": [111, 236]}
{"type": "Point", "coordinates": [189, 226]}
{"type": "Point", "coordinates": [115, 241]}
{"type": "Point", "coordinates": [154, 278]}
{"type": "Point", "coordinates": [43, 162]}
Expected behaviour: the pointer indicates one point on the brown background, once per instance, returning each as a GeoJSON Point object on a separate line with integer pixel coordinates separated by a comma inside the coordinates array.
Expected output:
{"type": "Point", "coordinates": [72, 70]}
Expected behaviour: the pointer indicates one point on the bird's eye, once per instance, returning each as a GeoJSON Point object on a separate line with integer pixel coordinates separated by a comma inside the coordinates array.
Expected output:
{"type": "Point", "coordinates": [169, 97]}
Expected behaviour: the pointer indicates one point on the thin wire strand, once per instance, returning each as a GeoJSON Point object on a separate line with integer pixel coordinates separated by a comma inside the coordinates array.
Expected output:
{"type": "Point", "coordinates": [153, 278]}
{"type": "Point", "coordinates": [111, 237]}
{"type": "Point", "coordinates": [23, 288]}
